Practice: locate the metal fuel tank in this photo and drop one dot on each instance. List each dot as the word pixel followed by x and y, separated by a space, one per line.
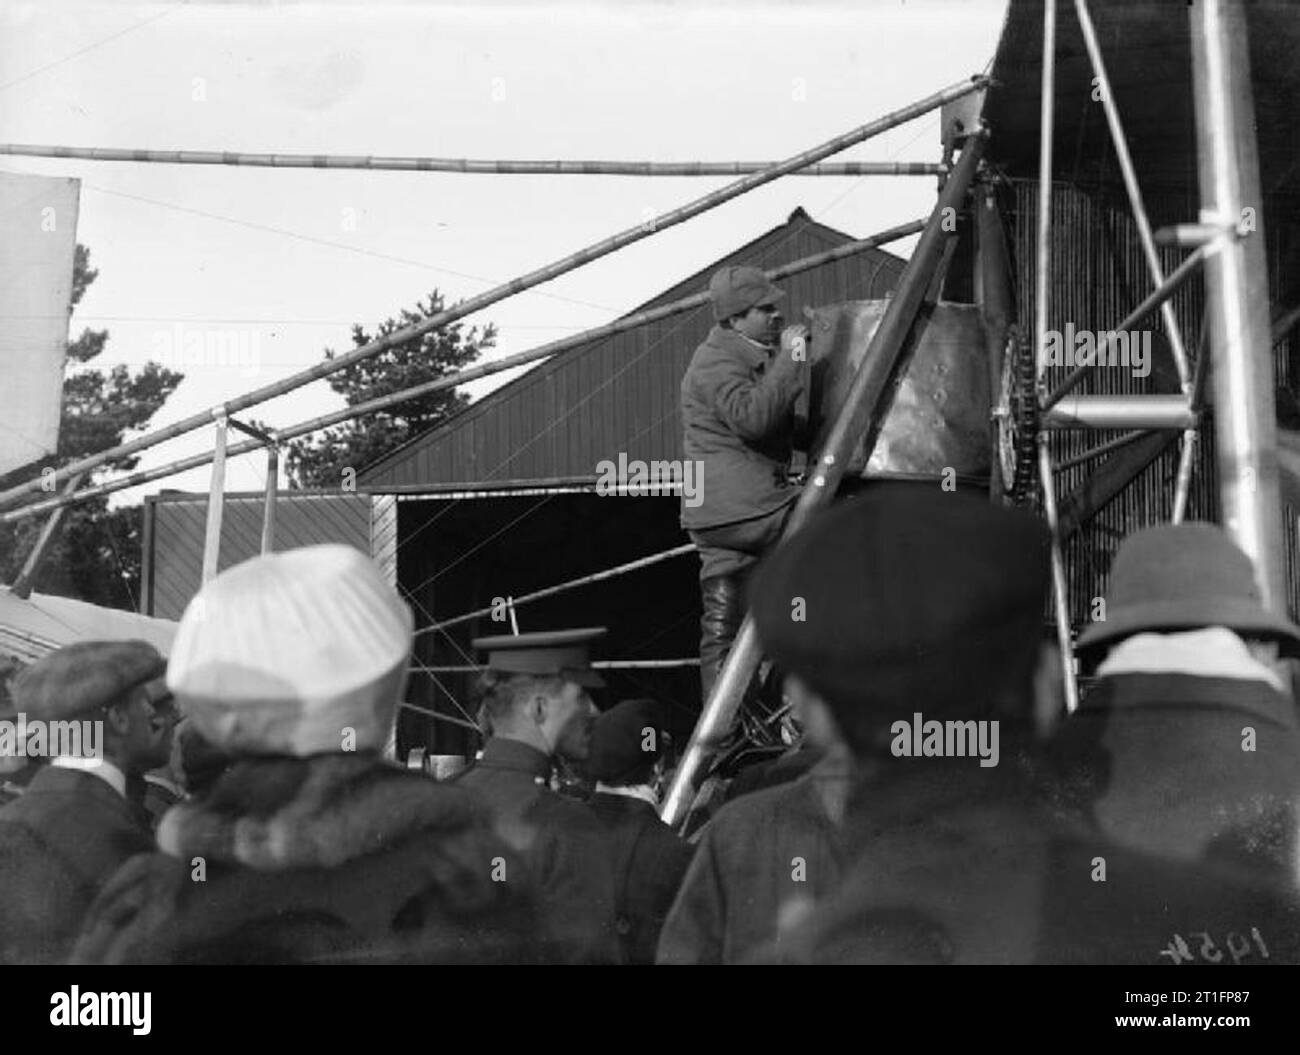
pixel 939 417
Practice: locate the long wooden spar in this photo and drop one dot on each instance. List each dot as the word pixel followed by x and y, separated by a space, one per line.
pixel 467 166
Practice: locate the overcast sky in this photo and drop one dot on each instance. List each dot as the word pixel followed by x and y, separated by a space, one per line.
pixel 287 260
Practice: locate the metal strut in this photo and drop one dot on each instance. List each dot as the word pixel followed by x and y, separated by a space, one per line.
pixel 1047 117
pixel 1236 288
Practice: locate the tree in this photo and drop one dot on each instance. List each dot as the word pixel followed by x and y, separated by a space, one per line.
pixel 319 460
pixel 97 555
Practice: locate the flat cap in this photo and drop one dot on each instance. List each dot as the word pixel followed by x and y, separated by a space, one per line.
pixel 733 290
pixel 626 738
pixel 81 677
pixel 297 653
pixel 564 653
pixel 906 598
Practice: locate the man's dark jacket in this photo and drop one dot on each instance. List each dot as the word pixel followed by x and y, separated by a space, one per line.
pixel 764 858
pixel 567 852
pixel 329 859
pixel 649 862
pixel 959 864
pixel 1188 768
pixel 737 413
pixel 60 842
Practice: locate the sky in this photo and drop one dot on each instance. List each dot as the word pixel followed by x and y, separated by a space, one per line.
pixel 282 263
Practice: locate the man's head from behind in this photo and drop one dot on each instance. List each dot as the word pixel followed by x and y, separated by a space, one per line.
pixel 298 653
pixel 627 744
pixel 908 599
pixel 546 711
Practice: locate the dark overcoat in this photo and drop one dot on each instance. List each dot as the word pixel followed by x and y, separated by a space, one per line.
pixel 764 860
pixel 738 420
pixel 1187 767
pixel 567 852
pixel 649 863
pixel 60 842
pixel 962 865
pixel 329 859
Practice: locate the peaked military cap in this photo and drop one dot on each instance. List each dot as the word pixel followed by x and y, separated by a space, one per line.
pixel 565 653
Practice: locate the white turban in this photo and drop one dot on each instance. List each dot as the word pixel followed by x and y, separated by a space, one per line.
pixel 303 652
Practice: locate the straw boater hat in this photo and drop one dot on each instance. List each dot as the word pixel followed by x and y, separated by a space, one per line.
pixel 296 653
pixel 1183 577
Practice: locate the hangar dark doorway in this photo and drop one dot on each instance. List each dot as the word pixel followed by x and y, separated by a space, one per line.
pixel 458 553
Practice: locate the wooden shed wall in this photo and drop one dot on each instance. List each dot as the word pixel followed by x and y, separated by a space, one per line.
pixel 175 526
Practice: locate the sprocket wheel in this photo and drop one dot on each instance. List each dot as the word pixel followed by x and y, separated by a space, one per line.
pixel 1015 419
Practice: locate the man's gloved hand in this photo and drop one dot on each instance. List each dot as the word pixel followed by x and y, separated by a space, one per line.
pixel 794 341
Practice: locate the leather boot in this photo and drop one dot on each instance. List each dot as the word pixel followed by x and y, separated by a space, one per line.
pixel 724 611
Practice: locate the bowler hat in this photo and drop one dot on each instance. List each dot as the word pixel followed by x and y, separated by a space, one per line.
pixel 1180 577
pixel 734 290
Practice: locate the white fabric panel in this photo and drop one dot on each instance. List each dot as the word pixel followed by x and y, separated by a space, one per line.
pixel 38 238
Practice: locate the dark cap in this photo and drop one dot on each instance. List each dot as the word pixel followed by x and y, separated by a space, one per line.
pixel 564 653
pixel 1183 577
pixel 906 598
pixel 734 290
pixel 625 739
pixel 84 676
